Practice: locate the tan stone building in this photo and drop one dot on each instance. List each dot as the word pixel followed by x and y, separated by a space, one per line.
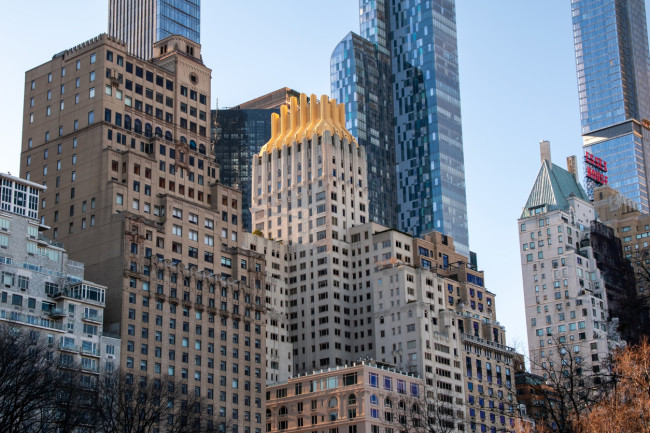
pixel 361 398
pixel 122 145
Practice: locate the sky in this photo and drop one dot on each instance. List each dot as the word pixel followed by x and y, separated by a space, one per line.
pixel 517 84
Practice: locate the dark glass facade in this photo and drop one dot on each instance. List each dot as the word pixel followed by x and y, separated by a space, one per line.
pixel 360 79
pixel 611 47
pixel 237 136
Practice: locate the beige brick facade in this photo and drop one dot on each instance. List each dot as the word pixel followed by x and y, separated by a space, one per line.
pixel 122 145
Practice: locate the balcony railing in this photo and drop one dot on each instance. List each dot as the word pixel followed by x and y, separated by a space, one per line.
pixel 90 351
pixel 92 317
pixel 485 342
pixel 14 316
pixel 56 313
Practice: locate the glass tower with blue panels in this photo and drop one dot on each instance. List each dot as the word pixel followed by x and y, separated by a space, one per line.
pixel 420 39
pixel 178 17
pixel 142 23
pixel 360 79
pixel 611 47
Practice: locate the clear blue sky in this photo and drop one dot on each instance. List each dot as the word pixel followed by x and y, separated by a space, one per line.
pixel 517 76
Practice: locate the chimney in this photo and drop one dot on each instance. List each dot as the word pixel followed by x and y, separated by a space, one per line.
pixel 545 150
pixel 572 165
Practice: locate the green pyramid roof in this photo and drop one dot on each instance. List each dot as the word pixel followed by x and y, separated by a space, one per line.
pixel 553 186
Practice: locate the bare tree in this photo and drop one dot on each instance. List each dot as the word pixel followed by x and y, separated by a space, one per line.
pixel 35 395
pixel 124 405
pixel 569 390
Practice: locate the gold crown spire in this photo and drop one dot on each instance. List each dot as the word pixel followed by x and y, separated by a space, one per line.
pixel 299 121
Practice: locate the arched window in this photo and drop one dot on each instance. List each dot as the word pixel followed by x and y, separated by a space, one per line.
pixel 268 413
pixel 127 122
pixel 192 144
pixel 159 131
pixel 168 135
pixel 183 139
pixel 202 149
pixel 381 319
pixel 148 130
pixel 333 402
pixel 283 410
pixel 387 402
pixel 352 399
pixel 137 126
pixel 373 399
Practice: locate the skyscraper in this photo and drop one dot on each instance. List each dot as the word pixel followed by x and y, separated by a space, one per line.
pixel 567 311
pixel 420 38
pixel 238 136
pixel 360 78
pixel 140 23
pixel 132 189
pixel 611 47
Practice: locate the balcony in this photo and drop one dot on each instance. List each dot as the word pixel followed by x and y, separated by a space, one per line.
pixel 93 318
pixel 67 365
pixel 90 351
pixel 72 348
pixel 90 368
pixel 56 313
pixel 14 316
pixel 491 344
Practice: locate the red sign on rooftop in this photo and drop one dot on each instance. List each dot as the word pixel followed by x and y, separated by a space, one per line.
pixel 596 162
pixel 596 169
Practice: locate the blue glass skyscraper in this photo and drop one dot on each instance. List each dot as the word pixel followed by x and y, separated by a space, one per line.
pixel 360 79
pixel 611 47
pixel 140 23
pixel 420 39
